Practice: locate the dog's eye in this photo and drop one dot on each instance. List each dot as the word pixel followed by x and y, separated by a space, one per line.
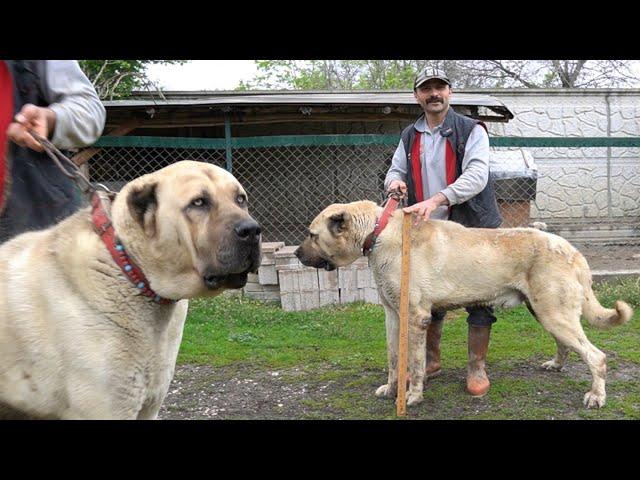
pixel 199 202
pixel 241 199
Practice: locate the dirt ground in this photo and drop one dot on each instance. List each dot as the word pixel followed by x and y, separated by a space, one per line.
pixel 245 392
pixel 242 393
pixel 613 257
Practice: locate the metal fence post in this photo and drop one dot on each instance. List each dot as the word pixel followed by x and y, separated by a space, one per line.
pixel 227 137
pixel 609 214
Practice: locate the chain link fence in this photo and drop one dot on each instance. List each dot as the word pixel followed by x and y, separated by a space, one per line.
pixel 290 182
pixel 287 186
pixel 115 166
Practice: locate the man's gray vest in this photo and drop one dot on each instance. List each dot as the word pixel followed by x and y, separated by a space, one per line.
pixel 480 211
pixel 39 195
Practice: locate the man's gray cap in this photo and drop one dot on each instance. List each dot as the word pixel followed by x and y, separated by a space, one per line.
pixel 429 74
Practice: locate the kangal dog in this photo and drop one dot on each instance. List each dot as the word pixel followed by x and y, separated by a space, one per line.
pixel 77 338
pixel 452 266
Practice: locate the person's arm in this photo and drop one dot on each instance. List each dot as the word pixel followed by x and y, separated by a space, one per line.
pixel 397 174
pixel 79 113
pixel 475 169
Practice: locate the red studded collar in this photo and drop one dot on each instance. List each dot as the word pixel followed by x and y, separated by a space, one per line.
pixel 392 203
pixel 104 228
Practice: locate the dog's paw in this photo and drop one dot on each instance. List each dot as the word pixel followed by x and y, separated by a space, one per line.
pixel 386 391
pixel 414 399
pixel 592 399
pixel 552 366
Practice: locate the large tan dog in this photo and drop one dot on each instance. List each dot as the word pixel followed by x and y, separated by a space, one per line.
pixel 452 266
pixel 77 339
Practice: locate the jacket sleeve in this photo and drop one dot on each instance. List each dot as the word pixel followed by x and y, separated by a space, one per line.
pixel 398 169
pixel 80 115
pixel 475 169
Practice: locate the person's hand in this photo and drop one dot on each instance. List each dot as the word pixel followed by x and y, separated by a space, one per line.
pixel 39 119
pixel 424 209
pixel 395 184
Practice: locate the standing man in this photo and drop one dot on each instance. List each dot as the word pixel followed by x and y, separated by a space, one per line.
pixel 56 100
pixel 442 162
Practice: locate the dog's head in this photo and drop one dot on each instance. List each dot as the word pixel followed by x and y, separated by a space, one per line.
pixel 189 228
pixel 336 235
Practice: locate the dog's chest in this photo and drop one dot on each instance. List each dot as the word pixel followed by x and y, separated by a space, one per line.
pixel 167 348
pixel 150 369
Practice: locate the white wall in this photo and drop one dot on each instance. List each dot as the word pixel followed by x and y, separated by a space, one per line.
pixel 579 184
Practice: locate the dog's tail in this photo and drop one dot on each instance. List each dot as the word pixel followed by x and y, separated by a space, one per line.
pixel 592 310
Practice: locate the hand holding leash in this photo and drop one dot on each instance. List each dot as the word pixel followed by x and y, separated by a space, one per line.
pixel 31 118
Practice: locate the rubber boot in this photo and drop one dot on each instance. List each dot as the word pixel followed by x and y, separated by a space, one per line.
pixel 434 333
pixel 477 380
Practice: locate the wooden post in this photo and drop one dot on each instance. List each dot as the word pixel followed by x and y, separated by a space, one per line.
pixel 403 337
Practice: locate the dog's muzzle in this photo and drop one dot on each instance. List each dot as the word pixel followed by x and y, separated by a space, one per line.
pixel 316 262
pixel 232 280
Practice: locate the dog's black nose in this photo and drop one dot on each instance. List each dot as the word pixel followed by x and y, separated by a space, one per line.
pixel 297 253
pixel 211 281
pixel 247 230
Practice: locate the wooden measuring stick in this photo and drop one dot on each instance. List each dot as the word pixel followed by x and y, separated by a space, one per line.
pixel 403 337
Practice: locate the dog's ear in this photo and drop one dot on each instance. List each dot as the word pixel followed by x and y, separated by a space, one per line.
pixel 338 222
pixel 142 202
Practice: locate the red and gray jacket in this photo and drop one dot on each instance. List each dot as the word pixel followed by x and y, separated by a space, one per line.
pixel 480 211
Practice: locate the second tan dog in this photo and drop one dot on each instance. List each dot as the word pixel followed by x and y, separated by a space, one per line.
pixel 453 266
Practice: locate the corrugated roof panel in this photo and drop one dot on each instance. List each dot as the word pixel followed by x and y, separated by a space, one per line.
pixel 301 98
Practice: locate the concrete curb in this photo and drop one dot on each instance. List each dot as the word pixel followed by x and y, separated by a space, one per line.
pixel 608 275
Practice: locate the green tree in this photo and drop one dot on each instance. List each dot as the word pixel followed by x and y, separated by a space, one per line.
pixel 118 78
pixel 399 74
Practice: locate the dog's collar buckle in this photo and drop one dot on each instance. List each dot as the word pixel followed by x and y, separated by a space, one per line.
pixel 103 228
pixel 367 247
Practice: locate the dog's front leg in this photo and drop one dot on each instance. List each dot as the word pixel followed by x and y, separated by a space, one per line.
pixel 390 389
pixel 418 323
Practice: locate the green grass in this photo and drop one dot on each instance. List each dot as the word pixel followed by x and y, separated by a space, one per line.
pixel 226 330
pixel 346 345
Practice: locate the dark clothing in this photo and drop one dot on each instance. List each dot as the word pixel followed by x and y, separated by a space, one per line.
pixel 37 193
pixel 478 316
pixel 480 211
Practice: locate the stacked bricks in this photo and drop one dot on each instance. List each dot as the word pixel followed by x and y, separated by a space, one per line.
pixel 305 288
pixel 356 283
pixel 299 288
pixel 264 285
pixel 281 277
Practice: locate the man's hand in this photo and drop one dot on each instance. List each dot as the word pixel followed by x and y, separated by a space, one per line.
pixel 39 119
pixel 394 185
pixel 423 209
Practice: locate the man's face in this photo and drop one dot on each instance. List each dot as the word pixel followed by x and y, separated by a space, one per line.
pixel 433 96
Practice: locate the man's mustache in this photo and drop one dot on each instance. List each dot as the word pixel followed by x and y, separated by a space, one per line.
pixel 434 100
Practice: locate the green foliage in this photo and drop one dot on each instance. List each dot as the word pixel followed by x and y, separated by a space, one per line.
pixel 118 78
pixel 399 74
pixel 334 74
